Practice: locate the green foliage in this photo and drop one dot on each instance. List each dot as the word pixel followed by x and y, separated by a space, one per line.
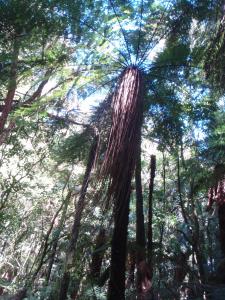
pixel 80 46
pixel 72 149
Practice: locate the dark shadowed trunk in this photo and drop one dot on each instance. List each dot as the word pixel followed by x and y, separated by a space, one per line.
pixel 77 220
pixel 131 262
pixel 162 225
pixel 22 294
pixel 150 212
pixel 140 226
pixel 179 189
pixel 181 266
pixel 196 241
pixel 104 277
pixel 119 246
pixel 221 216
pixel 97 256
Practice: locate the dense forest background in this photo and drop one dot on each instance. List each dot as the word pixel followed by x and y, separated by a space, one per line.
pixel 112 143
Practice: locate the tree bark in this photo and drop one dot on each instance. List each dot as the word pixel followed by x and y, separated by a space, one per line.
pixel 221 216
pixel 97 256
pixel 179 189
pixel 11 87
pixel 45 245
pixel 140 227
pixel 56 238
pixel 150 212
pixel 119 166
pixel 77 220
pixel 131 261
pixel 119 245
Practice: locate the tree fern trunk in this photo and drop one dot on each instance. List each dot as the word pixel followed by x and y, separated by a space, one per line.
pixel 119 247
pixel 119 164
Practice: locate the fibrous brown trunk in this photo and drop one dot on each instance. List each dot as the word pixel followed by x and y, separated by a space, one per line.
pixel 119 164
pixel 119 246
pixel 77 220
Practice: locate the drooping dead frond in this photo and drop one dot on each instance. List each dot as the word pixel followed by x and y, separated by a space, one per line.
pixel 125 129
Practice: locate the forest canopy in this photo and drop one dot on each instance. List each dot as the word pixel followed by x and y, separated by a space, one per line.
pixel 112 149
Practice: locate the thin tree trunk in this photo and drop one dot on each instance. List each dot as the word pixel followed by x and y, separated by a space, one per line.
pixel 104 277
pixel 77 220
pixel 150 212
pixel 221 216
pixel 45 245
pixel 56 238
pixel 140 226
pixel 162 226
pixel 196 241
pixel 131 261
pixel 11 87
pixel 180 192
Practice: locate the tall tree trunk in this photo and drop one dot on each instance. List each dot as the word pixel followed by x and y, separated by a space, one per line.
pixel 119 245
pixel 162 225
pixel 11 86
pixel 179 189
pixel 221 216
pixel 97 256
pixel 119 165
pixel 150 212
pixel 131 262
pixel 77 220
pixel 140 226
pixel 196 240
